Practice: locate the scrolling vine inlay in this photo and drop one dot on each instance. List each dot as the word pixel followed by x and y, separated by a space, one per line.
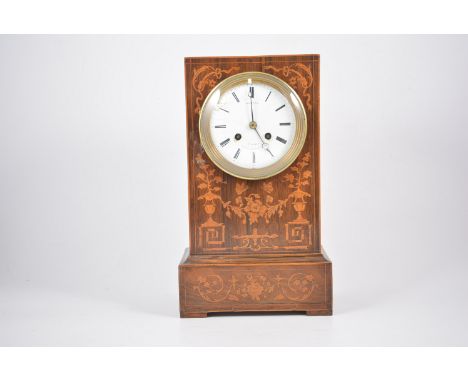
pixel 255 286
pixel 299 76
pixel 205 78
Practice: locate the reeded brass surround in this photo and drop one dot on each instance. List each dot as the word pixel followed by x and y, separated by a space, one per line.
pixel 256 173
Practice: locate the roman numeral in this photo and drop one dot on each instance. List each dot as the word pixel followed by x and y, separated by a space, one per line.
pixel 253 157
pixel 285 123
pixel 235 96
pixel 282 140
pixel 220 126
pixel 223 110
pixel 225 142
pixel 236 155
pixel 268 96
pixel 280 107
pixel 251 92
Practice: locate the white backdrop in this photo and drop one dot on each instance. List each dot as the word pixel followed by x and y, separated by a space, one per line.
pixel 93 195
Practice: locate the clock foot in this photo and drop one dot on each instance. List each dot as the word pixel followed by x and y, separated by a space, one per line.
pixel 319 312
pixel 193 315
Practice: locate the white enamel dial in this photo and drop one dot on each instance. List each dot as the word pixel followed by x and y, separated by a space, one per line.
pixel 253 125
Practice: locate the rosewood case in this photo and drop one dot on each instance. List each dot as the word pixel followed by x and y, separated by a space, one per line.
pixel 254 245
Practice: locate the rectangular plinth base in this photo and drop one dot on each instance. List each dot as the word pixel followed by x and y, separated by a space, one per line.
pixel 209 284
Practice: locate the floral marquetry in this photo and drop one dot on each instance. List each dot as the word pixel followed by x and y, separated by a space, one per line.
pixel 289 285
pixel 253 187
pixel 255 286
pixel 250 208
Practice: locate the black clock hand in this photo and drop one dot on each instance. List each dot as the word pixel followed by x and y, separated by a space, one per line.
pixel 259 135
pixel 253 124
pixel 264 145
pixel 251 107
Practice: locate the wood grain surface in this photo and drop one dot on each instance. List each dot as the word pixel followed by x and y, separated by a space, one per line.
pixel 277 215
pixel 254 245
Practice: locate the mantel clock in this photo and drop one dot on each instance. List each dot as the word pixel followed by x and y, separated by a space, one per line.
pixel 254 195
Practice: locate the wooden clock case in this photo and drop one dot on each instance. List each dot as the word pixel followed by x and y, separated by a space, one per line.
pixel 254 245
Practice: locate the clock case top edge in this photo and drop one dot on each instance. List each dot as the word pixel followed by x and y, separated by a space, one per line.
pixel 252 59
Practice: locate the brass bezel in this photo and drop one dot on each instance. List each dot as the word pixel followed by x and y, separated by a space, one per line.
pixel 249 173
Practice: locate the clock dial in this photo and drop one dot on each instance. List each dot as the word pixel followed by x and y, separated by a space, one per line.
pixel 259 128
pixel 252 125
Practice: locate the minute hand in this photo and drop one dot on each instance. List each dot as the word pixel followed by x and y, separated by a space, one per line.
pixel 264 144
